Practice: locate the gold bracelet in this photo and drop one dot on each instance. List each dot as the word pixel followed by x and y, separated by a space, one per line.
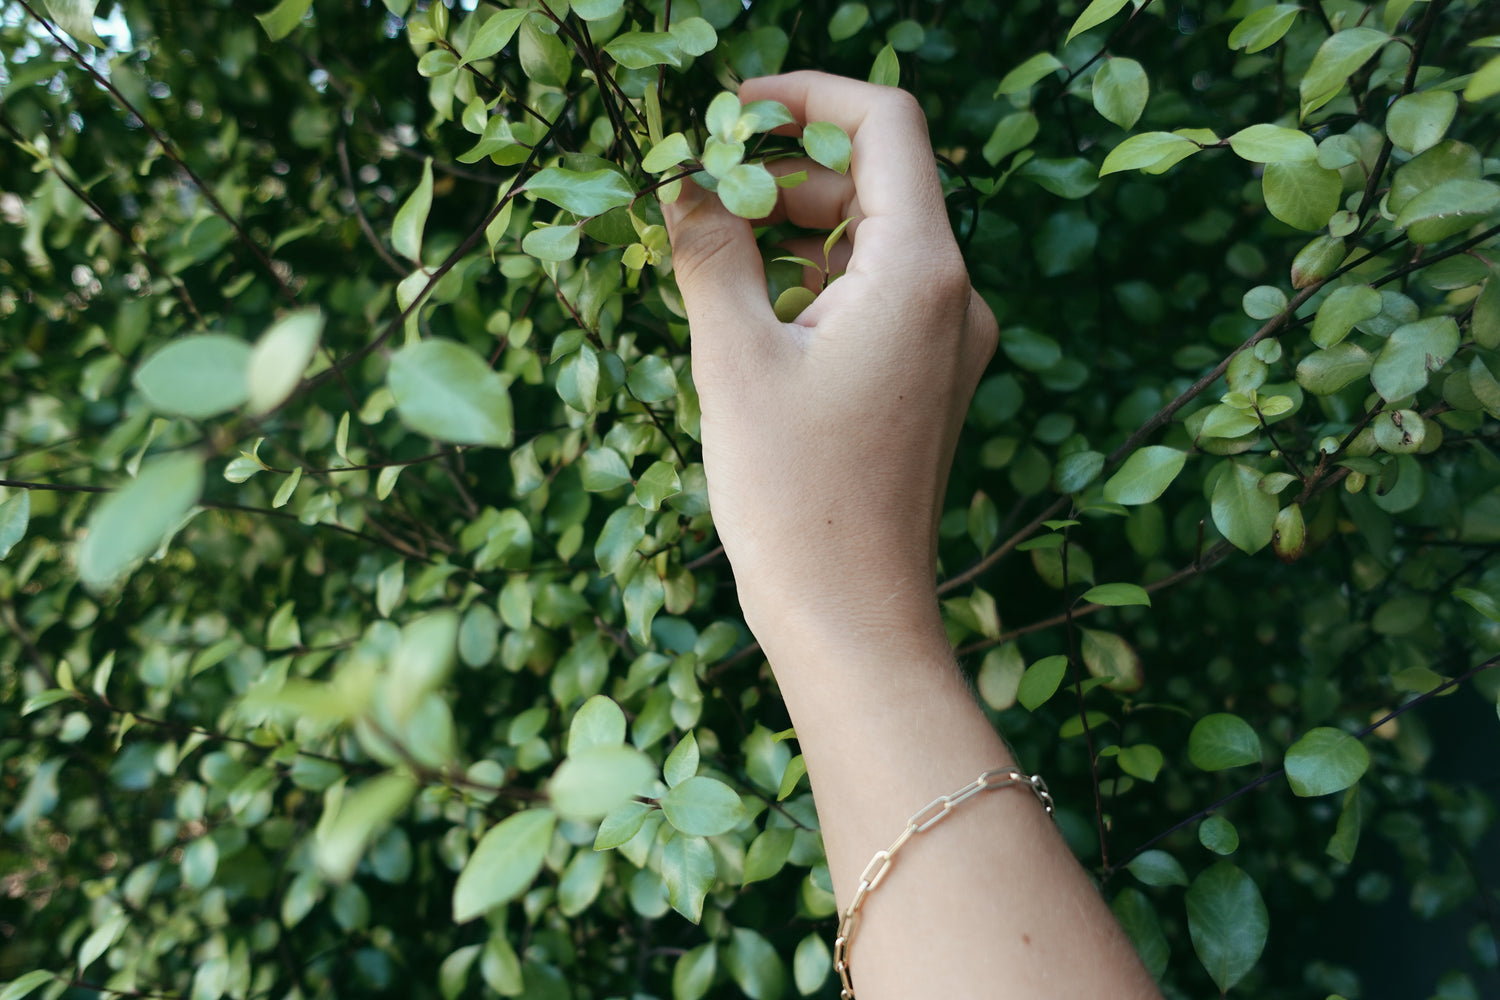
pixel 923 820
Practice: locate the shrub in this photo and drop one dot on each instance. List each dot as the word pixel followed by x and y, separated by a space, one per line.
pixel 364 628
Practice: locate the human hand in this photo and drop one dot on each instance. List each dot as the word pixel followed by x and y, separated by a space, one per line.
pixel 827 441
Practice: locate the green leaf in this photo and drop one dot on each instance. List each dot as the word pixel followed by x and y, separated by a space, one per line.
pixel 596 10
pixel 1029 73
pixel 1012 133
pixel 1029 349
pixel 1120 91
pixel 504 864
pixel 886 70
pixel 132 522
pixel 811 963
pixel 501 967
pixel 411 217
pixel 599 722
pixel 340 843
pixel 1141 761
pixel 1345 839
pixel 15 515
pixel 1136 915
pixel 723 117
pixel 621 824
pixel 279 358
pixel 694 36
pixel 1096 13
pixel 23 985
pixel 767 854
pixel 1419 121
pixel 1324 373
pixel 621 535
pixel 687 866
pixel 1074 177
pixel 493 35
pixel 76 17
pixel 640 49
pixel 652 380
pixel 1157 868
pixel 196 376
pixel 748 191
pixel 643 598
pixel 1447 208
pixel 1343 310
pixel 1228 923
pixel 1338 59
pixel 755 966
pixel 1266 143
pixel 1116 595
pixel 827 144
pixel 693 973
pixel 1301 193
pixel 544 57
pixel 581 882
pixel 1040 681
pixel 672 150
pixel 1479 601
pixel 592 192
pixel 682 763
pixel 703 807
pixel 1263 28
pixel 603 470
pixel 1145 475
pixel 1077 470
pixel 1242 513
pixel 1222 740
pixel 281 19
pixel 1219 835
pixel 1146 151
pixel 1324 761
pixel 453 974
pixel 447 391
pixel 597 780
pixel 1485 83
pixel 1411 354
pixel 847 21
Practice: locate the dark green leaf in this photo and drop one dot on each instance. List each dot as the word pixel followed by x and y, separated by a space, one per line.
pixel 1324 761
pixel 1228 923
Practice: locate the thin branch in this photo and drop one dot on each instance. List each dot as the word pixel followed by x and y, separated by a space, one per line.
pixel 1075 667
pixel 359 212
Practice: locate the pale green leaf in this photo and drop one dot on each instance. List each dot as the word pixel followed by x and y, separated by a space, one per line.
pixel 339 843
pixel 672 150
pixel 592 192
pixel 1419 121
pixel 1145 475
pixel 555 243
pixel 827 144
pixel 599 779
pixel 1339 57
pixel 748 191
pixel 196 376
pixel 447 391
pixel 1301 193
pixel 279 358
pixel 15 515
pixel 76 17
pixel 599 722
pixel 1263 28
pixel 1116 595
pixel 1267 143
pixel 283 18
pixel 1096 13
pixel 493 35
pixel 132 522
pixel 1120 91
pixel 1029 73
pixel 1344 309
pixel 411 217
pixel 703 806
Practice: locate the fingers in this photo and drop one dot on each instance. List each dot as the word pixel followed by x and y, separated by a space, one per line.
pixel 822 201
pixel 892 164
pixel 718 269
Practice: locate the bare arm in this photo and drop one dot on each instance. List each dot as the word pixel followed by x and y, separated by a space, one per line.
pixel 827 444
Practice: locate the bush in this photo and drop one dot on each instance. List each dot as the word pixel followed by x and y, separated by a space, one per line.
pixel 397 656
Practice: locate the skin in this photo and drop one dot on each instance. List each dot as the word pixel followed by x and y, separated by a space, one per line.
pixel 827 443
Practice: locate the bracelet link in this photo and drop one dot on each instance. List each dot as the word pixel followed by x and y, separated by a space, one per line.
pixel 923 820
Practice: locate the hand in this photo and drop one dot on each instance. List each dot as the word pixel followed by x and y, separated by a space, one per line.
pixel 827 441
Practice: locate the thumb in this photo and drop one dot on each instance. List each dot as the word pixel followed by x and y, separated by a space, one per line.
pixel 718 267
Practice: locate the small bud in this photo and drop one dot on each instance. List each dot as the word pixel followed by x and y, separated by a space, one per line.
pixel 1354 482
pixel 1289 536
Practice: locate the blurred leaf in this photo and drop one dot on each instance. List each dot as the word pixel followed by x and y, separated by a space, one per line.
pixel 282 19
pixel 445 390
pixel 15 515
pixel 132 522
pixel 196 376
pixel 598 779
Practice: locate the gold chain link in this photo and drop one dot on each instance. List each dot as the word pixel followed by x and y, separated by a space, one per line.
pixel 922 820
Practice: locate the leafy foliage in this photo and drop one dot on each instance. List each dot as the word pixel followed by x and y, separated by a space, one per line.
pixel 398 657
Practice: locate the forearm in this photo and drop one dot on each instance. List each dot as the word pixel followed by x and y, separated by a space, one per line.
pixel 990 901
